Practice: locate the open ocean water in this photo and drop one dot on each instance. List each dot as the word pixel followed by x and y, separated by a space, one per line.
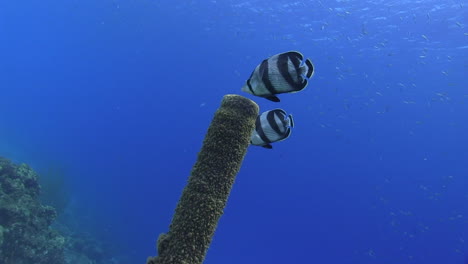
pixel 118 95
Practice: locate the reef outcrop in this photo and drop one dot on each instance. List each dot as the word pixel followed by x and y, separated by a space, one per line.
pixel 25 233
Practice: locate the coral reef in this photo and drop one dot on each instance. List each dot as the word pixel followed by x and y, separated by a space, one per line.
pixel 29 231
pixel 83 247
pixel 25 236
pixel 205 196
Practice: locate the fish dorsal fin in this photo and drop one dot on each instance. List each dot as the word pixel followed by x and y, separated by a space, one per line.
pixel 279 110
pixel 295 54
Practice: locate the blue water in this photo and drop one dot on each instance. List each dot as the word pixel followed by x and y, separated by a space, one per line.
pixel 121 94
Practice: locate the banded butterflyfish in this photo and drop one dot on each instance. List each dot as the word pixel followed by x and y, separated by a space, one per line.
pixel 281 73
pixel 271 126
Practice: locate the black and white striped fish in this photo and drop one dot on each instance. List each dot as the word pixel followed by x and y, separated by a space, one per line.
pixel 271 126
pixel 282 73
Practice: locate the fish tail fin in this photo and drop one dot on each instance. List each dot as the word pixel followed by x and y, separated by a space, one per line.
pixel 308 69
pixel 290 121
pixel 245 89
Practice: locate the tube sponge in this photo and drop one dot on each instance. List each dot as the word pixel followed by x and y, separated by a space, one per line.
pixel 206 193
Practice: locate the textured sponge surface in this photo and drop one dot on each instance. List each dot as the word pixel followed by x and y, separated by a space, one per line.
pixel 205 196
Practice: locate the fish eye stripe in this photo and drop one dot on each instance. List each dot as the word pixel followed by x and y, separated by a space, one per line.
pixel 272 122
pixel 296 60
pixel 260 132
pixel 302 85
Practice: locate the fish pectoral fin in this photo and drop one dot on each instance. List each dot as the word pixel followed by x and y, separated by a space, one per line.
pixel 272 98
pixel 267 146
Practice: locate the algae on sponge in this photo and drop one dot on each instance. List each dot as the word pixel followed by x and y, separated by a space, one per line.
pixel 206 193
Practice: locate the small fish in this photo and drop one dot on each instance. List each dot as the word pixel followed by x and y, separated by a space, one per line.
pixel 282 73
pixel 271 126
